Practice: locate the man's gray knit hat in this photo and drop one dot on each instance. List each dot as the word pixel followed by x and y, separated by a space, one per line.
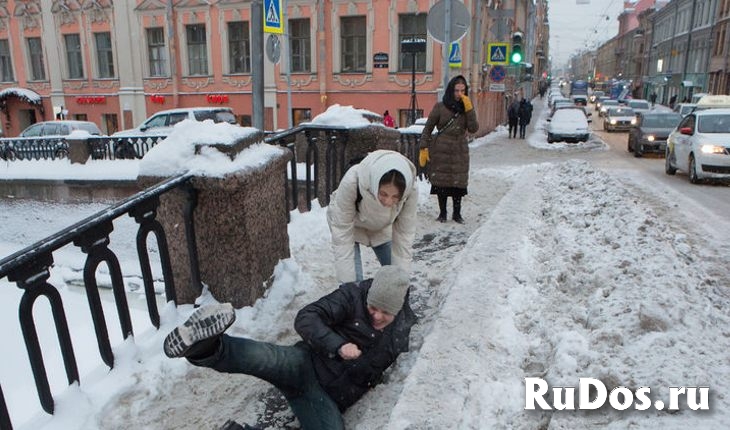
pixel 388 290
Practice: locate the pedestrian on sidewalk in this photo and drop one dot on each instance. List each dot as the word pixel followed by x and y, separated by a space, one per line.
pixel 349 338
pixel 447 152
pixel 388 120
pixel 513 118
pixel 524 116
pixel 374 205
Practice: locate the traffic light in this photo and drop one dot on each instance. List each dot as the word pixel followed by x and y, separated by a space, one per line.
pixel 516 55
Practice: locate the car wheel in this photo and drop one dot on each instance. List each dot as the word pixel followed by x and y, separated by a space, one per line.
pixel 61 153
pixel 637 151
pixel 693 178
pixel 124 151
pixel 669 169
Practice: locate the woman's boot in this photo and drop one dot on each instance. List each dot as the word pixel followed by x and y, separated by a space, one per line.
pixel 442 208
pixel 457 210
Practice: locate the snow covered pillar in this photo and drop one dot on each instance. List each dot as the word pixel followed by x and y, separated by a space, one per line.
pixel 240 214
pixel 78 150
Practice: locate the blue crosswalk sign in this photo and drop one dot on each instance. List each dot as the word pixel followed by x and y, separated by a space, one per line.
pixel 273 17
pixel 497 54
pixel 455 55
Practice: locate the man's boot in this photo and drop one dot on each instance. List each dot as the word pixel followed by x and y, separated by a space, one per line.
pixel 442 208
pixel 457 210
pixel 199 335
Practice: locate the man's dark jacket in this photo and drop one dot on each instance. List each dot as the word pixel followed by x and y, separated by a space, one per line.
pixel 342 317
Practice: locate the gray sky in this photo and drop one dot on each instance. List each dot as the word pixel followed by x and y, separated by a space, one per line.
pixel 573 26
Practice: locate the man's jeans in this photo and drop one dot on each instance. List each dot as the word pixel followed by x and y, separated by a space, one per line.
pixel 288 368
pixel 383 252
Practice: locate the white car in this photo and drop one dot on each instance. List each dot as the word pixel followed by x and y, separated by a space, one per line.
pixel 639 105
pixel 569 125
pixel 619 118
pixel 700 146
pixel 161 123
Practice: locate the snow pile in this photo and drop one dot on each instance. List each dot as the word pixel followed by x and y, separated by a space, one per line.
pixel 177 154
pixel 29 96
pixel 344 116
pixel 122 170
pixel 570 278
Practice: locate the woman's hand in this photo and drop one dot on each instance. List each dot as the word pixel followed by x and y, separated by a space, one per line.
pixel 467 103
pixel 423 157
pixel 349 351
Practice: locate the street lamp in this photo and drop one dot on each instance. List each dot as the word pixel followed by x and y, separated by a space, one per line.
pixel 413 46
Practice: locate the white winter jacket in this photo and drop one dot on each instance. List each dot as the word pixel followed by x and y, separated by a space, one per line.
pixel 369 222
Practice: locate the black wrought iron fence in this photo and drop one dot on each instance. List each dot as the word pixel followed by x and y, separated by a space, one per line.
pixel 30 270
pixel 100 147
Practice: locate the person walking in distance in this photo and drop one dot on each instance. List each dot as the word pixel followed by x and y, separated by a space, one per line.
pixel 525 115
pixel 513 117
pixel 447 151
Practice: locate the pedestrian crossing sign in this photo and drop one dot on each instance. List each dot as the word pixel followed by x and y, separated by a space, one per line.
pixel 455 55
pixel 273 17
pixel 497 54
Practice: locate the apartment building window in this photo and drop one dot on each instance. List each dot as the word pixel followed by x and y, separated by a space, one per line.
pixel 353 44
pixel 239 47
pixel 197 49
pixel 35 58
pixel 301 47
pixel 156 51
pixel 104 54
pixel 73 56
pixel 300 115
pixel 6 62
pixel 109 123
pixel 412 26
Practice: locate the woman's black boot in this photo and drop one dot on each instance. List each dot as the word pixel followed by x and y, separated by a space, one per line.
pixel 457 210
pixel 442 208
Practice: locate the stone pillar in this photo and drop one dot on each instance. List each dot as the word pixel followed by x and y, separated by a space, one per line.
pixel 240 227
pixel 78 150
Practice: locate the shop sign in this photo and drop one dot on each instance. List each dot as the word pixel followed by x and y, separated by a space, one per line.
pixel 157 98
pixel 90 100
pixel 217 98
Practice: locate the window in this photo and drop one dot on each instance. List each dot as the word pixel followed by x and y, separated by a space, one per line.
pixel 197 50
pixel 110 123
pixel 6 62
pixel 409 27
pixel 299 31
pixel 239 47
pixel 404 116
pixel 35 57
pixel 104 56
pixel 301 115
pixel 73 56
pixel 352 41
pixel 81 117
pixel 156 52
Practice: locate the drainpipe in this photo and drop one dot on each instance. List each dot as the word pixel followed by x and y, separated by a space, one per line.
pixel 689 47
pixel 172 38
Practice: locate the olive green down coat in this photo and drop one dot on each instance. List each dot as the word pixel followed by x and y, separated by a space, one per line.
pixel 449 151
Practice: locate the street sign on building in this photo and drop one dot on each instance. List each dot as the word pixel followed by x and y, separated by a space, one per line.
pixel 497 88
pixel 273 17
pixel 497 54
pixel 497 74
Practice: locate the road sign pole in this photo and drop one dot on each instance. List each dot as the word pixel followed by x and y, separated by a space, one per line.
pixel 257 63
pixel 447 43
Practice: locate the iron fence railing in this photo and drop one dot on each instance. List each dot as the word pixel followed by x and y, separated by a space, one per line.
pixel 30 270
pixel 100 147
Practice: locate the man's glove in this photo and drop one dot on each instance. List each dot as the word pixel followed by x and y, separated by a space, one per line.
pixel 423 157
pixel 467 103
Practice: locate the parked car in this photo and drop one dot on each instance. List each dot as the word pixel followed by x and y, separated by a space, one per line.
pixel 569 125
pixel 161 123
pixel 619 118
pixel 579 99
pixel 561 105
pixel 651 132
pixel 684 108
pixel 639 105
pixel 59 128
pixel 605 105
pixel 700 146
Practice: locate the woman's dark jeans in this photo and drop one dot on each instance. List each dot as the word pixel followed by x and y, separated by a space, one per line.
pixel 288 368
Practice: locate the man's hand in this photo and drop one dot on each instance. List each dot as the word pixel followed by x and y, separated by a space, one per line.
pixel 349 351
pixel 423 157
pixel 467 103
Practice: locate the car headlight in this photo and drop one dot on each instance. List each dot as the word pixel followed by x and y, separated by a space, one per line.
pixel 712 149
pixel 633 121
pixel 650 138
pixel 613 122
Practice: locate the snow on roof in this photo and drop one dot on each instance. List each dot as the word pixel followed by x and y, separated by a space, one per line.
pixel 176 154
pixel 345 116
pixel 23 93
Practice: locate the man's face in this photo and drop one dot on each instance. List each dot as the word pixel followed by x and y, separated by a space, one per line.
pixel 379 318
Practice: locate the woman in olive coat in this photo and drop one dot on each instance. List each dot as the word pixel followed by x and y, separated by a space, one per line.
pixel 447 151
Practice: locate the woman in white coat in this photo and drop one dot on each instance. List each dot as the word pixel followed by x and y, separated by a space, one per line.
pixel 374 205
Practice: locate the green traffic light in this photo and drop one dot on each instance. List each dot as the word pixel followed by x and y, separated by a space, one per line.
pixel 516 57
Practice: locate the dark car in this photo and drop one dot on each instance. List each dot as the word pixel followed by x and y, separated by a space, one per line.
pixel 651 132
